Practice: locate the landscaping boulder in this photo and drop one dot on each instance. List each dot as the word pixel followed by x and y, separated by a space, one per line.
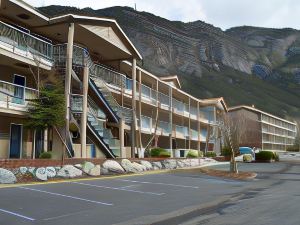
pixel 31 170
pixel 169 164
pixel 147 164
pixel 23 170
pixel 138 167
pixel 95 171
pixel 128 166
pixel 113 166
pixel 40 174
pixel 157 165
pixel 78 166
pixel 195 162
pixel 50 171
pixel 87 166
pixel 69 171
pixel 7 177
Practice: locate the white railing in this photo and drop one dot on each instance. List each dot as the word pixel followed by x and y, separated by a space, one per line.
pixel 26 42
pixel 16 96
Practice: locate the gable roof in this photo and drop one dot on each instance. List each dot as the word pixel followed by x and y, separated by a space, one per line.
pixel 171 78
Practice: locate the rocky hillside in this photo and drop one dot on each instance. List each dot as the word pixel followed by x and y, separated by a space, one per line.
pixel 246 65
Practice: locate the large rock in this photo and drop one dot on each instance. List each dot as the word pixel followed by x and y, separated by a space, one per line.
pixel 170 164
pixel 128 166
pixel 7 177
pixel 157 165
pixel 138 167
pixel 69 171
pixel 195 162
pixel 40 174
pixel 113 166
pixel 96 171
pixel 23 170
pixel 87 166
pixel 50 171
pixel 147 164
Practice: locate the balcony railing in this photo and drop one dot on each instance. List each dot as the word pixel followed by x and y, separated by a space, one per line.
pixel 164 100
pixel 24 43
pixel 207 113
pixel 15 96
pixel 181 130
pixel 164 127
pixel 178 106
pixel 194 134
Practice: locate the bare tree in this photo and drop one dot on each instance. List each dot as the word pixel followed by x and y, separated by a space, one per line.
pixel 233 132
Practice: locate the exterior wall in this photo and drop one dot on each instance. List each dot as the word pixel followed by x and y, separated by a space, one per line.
pixel 26 151
pixel 277 134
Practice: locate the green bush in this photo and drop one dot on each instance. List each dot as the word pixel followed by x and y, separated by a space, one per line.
pixel 226 151
pixel 264 156
pixel 165 154
pixel 160 152
pixel 45 155
pixel 194 154
pixel 210 154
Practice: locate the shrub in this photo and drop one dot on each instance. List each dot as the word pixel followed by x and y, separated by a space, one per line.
pixel 264 156
pixel 194 154
pixel 210 154
pixel 165 154
pixel 226 151
pixel 45 155
pixel 247 158
pixel 160 152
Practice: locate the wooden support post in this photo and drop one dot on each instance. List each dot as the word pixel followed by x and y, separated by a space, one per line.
pixel 83 122
pixel 133 124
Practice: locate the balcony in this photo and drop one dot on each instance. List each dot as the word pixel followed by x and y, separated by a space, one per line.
pixel 194 135
pixel 16 97
pixel 25 44
pixel 164 101
pixel 146 124
pixel 164 128
pixel 193 113
pixel 178 106
pixel 181 132
pixel 207 115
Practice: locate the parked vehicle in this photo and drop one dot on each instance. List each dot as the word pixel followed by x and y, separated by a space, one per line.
pixel 248 151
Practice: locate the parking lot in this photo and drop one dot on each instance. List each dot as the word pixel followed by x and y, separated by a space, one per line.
pixel 160 198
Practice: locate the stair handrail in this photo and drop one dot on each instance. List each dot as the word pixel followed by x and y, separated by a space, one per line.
pixel 86 60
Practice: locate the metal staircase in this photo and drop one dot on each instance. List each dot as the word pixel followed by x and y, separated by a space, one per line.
pixel 97 72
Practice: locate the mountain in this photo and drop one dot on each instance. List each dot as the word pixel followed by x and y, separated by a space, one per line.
pixel 245 65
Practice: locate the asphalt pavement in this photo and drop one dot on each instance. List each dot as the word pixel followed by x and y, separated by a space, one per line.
pixel 179 197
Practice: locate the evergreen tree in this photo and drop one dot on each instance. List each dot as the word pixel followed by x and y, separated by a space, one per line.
pixel 48 110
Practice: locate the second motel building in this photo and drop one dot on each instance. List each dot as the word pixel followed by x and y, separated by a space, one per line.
pixel 107 94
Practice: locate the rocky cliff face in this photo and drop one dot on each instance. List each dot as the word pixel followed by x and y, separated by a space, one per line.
pixel 246 65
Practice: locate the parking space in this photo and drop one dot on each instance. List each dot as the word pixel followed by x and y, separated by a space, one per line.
pixel 77 202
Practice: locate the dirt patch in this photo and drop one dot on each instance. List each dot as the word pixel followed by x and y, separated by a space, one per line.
pixel 227 174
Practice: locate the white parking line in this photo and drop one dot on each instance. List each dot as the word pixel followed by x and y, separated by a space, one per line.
pixel 120 189
pixel 17 215
pixel 66 196
pixel 147 182
pixel 129 186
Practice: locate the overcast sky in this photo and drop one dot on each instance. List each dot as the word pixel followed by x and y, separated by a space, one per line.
pixel 220 13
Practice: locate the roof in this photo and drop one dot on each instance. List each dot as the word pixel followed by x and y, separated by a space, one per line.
pixel 239 107
pixel 37 19
pixel 173 78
